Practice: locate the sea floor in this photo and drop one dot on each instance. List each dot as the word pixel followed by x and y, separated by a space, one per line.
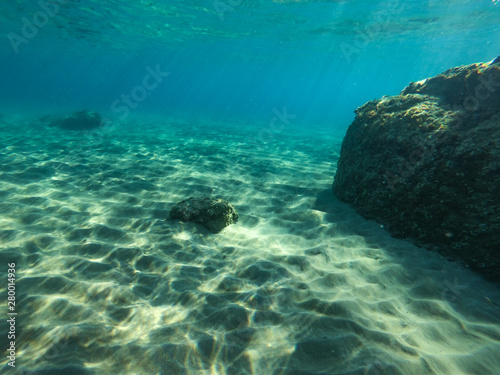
pixel 108 284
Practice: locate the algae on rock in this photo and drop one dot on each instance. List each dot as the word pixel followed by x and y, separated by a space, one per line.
pixel 213 214
pixel 426 164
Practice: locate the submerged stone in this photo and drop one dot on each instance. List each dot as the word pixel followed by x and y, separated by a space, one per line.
pixel 426 164
pixel 81 120
pixel 213 214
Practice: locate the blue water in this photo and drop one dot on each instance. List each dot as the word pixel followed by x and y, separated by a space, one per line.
pixel 246 100
pixel 320 59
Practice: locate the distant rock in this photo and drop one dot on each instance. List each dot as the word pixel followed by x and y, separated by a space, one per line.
pixel 81 120
pixel 426 164
pixel 213 214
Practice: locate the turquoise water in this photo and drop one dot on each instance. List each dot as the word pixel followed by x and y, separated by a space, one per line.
pixel 321 59
pixel 247 101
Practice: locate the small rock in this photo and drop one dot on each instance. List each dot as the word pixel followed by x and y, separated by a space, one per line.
pixel 213 214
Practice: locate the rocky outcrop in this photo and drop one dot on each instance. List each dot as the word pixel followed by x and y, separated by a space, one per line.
pixel 81 120
pixel 213 214
pixel 426 164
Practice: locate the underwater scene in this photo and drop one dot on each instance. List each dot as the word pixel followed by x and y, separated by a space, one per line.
pixel 250 187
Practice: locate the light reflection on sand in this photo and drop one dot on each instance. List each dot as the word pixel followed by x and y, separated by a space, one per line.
pixel 300 285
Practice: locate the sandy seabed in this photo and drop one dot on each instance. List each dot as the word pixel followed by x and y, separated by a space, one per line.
pixel 108 284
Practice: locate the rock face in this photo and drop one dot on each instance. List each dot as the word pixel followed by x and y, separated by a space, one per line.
pixel 81 120
pixel 426 164
pixel 213 214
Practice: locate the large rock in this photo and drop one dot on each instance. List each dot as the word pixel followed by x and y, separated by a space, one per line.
pixel 426 164
pixel 213 214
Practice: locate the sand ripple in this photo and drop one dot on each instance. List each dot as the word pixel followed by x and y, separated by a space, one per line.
pixel 301 285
